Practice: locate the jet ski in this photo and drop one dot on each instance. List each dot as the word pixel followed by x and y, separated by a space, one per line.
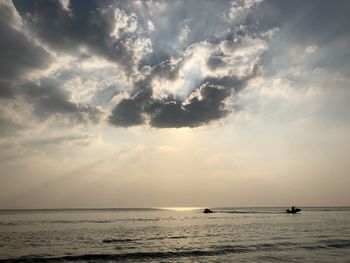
pixel 294 210
pixel 207 211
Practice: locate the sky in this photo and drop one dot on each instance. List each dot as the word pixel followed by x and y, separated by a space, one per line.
pixel 174 103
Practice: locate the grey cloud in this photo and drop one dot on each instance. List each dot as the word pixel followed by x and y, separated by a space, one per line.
pixel 303 23
pixel 48 98
pixel 130 112
pixel 311 21
pixel 68 31
pixel 234 82
pixel 202 108
pixel 105 96
pixel 6 88
pixel 205 104
pixel 167 69
pixel 215 62
pixel 18 54
pixel 127 113
pixel 8 127
pixel 83 139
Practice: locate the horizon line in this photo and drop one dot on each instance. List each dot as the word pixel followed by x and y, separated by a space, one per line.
pixel 170 207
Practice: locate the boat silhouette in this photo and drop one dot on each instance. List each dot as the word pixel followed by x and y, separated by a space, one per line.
pixel 294 210
pixel 207 211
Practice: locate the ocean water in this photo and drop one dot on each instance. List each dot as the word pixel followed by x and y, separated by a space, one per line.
pixel 163 235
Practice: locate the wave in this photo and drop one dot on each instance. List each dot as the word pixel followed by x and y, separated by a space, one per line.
pixel 15 223
pixel 129 256
pixel 115 240
pixel 337 243
pixel 214 251
pixel 133 240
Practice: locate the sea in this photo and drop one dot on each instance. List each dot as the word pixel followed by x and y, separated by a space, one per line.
pixel 317 234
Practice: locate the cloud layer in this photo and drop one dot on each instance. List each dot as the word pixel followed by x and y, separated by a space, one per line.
pixel 138 63
pixel 156 63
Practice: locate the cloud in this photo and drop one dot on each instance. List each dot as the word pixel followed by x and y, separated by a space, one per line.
pixel 210 90
pixel 307 32
pixel 210 101
pixel 201 107
pixel 18 54
pixel 82 139
pixel 8 127
pixel 127 113
pixel 239 9
pixel 48 98
pixel 105 31
pixel 6 88
pixel 176 69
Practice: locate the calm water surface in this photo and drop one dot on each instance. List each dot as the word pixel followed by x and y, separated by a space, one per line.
pixel 160 235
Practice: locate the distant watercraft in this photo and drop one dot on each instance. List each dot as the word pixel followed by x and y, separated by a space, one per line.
pixel 294 210
pixel 207 211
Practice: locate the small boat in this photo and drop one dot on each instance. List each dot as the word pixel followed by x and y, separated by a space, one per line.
pixel 294 210
pixel 207 211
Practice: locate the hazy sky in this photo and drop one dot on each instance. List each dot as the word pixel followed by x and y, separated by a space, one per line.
pixel 174 103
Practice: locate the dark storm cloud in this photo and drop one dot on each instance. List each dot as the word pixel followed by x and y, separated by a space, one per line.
pixel 200 109
pixel 206 102
pixel 202 106
pixel 18 55
pixel 127 113
pixel 48 98
pixel 130 112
